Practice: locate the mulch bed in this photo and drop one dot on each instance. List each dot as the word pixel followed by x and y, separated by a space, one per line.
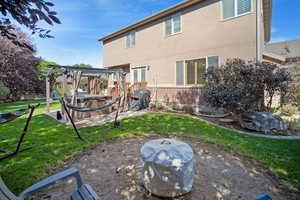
pixel 113 167
pixel 232 123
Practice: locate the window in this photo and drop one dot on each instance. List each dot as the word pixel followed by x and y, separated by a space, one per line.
pixel 234 8
pixel 130 39
pixel 191 72
pixel 114 77
pixel 195 70
pixel 139 75
pixel 143 75
pixel 135 75
pixel 212 61
pixel 173 25
pixel 180 73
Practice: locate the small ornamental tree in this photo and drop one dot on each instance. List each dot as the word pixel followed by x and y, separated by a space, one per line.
pixel 240 86
pixel 18 67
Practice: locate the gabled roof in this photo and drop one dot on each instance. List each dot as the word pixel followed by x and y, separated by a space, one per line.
pixel 288 49
pixel 267 6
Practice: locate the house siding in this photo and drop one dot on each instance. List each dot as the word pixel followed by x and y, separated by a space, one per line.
pixel 203 34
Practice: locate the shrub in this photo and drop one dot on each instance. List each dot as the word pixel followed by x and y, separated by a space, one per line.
pixel 239 86
pixel 175 106
pixel 188 109
pixel 4 92
pixel 294 126
pixel 289 110
pixel 157 106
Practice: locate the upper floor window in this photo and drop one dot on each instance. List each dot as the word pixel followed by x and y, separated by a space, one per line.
pixel 173 25
pixel 130 39
pixel 234 8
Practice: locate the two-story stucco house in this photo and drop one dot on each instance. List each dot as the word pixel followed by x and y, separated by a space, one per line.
pixel 172 49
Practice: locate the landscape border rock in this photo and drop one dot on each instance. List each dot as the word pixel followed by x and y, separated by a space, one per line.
pixel 243 132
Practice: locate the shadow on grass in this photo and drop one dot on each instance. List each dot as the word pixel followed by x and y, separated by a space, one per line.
pixel 25 169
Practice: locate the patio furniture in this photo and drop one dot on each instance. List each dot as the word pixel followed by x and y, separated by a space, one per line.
pixel 12 116
pixel 9 116
pixel 168 167
pixel 84 191
pixel 109 104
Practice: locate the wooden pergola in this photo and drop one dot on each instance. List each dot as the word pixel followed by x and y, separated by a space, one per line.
pixel 75 74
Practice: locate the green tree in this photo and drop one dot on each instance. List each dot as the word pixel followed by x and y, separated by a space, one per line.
pixel 83 65
pixel 27 13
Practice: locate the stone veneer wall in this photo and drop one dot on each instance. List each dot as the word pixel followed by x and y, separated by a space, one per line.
pixel 179 95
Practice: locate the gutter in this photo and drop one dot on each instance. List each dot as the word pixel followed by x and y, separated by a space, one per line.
pixel 152 18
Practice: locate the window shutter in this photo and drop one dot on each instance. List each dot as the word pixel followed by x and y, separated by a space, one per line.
pixel 177 23
pixel 168 27
pixel 243 6
pixel 228 8
pixel 179 73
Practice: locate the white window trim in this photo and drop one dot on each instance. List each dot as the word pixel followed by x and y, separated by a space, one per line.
pixel 139 73
pixel 164 25
pixel 184 71
pixel 129 35
pixel 236 15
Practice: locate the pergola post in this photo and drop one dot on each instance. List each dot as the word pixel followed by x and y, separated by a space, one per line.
pixel 48 95
pixel 65 90
pixel 76 82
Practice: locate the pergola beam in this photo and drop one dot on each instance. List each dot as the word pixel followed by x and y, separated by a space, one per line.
pixel 89 71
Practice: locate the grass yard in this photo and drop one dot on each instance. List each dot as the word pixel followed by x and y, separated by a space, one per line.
pixel 21 171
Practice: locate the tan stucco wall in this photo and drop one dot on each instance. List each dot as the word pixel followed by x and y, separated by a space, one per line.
pixel 203 34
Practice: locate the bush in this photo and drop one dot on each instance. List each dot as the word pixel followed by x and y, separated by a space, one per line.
pixel 294 125
pixel 175 106
pixel 188 109
pixel 4 92
pixel 157 106
pixel 239 87
pixel 289 110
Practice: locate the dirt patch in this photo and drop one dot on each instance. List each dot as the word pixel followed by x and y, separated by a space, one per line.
pixel 113 167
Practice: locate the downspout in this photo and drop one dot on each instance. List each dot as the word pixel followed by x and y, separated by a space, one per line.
pixel 258 30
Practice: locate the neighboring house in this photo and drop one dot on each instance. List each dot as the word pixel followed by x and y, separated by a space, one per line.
pixel 172 49
pixel 288 50
pixel 287 54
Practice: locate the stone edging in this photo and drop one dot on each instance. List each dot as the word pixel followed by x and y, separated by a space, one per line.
pixel 244 132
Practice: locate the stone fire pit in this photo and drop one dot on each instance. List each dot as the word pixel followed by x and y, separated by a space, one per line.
pixel 168 167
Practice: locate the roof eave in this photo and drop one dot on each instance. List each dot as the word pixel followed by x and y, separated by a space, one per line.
pixel 152 18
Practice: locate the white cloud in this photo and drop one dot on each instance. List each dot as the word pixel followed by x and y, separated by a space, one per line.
pixel 278 39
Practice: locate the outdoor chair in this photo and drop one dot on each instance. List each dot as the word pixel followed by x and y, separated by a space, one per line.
pixel 84 191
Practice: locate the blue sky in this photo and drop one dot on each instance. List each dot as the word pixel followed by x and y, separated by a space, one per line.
pixel 85 21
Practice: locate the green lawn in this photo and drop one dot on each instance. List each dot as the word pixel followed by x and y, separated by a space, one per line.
pixel 19 172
